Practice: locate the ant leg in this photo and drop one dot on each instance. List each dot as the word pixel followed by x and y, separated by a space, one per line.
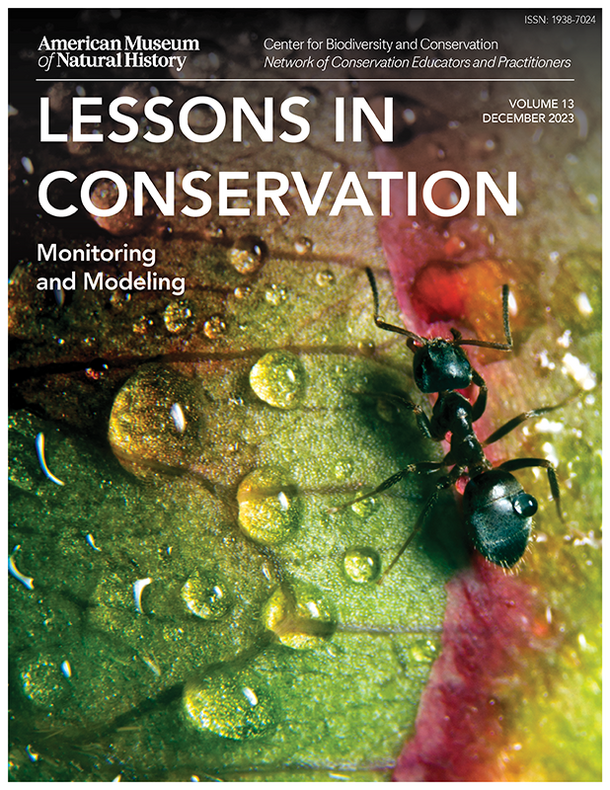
pixel 382 324
pixel 488 343
pixel 442 484
pixel 516 421
pixel 425 467
pixel 522 463
pixel 423 421
pixel 478 407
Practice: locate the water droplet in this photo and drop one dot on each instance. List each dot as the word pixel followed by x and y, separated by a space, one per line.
pixel 43 682
pixel 299 615
pixel 156 422
pixel 248 254
pixel 361 564
pixel 27 165
pixel 423 651
pixel 142 324
pixel 215 232
pixel 454 246
pixel 242 291
pixel 279 379
pixel 206 596
pixel 343 468
pixel 365 507
pixel 276 294
pixel 269 506
pixel 325 278
pixel 303 245
pixel 119 299
pixel 177 317
pixel 214 327
pixel 229 705
pixel 409 116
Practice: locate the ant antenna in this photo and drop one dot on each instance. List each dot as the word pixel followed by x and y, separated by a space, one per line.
pixel 399 330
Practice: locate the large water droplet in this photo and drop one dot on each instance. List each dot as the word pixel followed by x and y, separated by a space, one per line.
pixel 155 424
pixel 279 379
pixel 248 254
pixel 206 596
pixel 299 615
pixel 269 507
pixel 361 564
pixel 229 705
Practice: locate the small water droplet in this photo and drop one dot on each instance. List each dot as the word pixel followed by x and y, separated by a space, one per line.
pixel 119 299
pixel 142 324
pixel 423 651
pixel 276 294
pixel 279 379
pixel 231 705
pixel 177 317
pixel 43 682
pixel 27 165
pixel 343 468
pixel 362 564
pixel 242 291
pixel 299 615
pixel 303 245
pixel 325 278
pixel 214 327
pixel 365 507
pixel 206 596
pixel 269 506
pixel 454 246
pixel 248 254
pixel 215 232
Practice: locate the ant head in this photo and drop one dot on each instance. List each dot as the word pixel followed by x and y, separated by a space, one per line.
pixel 440 365
pixel 498 513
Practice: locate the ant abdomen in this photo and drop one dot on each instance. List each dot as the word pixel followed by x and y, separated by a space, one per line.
pixel 498 514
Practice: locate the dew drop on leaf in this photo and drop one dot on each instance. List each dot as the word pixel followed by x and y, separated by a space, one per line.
pixel 299 615
pixel 156 422
pixel 361 564
pixel 278 378
pixel 325 278
pixel 206 596
pixel 269 507
pixel 214 327
pixel 177 317
pixel 231 706
pixel 248 254
pixel 365 507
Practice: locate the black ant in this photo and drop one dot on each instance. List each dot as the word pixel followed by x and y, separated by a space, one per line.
pixel 497 511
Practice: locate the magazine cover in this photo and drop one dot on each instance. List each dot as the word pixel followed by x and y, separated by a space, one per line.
pixel 304 395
